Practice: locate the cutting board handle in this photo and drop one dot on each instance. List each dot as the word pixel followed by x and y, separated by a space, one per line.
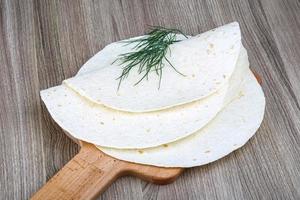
pixel 81 177
pixel 91 171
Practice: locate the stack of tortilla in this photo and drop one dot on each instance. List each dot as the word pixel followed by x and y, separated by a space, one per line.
pixel 189 121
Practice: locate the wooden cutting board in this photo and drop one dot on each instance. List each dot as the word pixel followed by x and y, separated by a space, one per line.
pixel 91 171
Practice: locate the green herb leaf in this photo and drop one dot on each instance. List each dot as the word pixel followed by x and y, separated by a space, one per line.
pixel 150 51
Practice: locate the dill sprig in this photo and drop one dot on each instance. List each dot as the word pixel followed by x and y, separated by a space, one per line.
pixel 150 51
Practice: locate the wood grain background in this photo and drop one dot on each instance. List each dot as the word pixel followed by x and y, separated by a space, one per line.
pixel 43 42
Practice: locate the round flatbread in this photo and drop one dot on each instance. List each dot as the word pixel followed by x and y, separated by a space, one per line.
pixel 207 61
pixel 103 126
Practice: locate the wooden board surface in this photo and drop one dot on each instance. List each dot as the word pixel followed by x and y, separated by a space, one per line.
pixel 43 42
pixel 91 172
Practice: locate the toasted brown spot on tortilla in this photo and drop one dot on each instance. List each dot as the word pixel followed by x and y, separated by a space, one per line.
pixel 241 94
pixel 165 145
pixel 140 151
pixel 208 151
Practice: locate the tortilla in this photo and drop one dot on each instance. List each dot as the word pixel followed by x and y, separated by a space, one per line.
pixel 230 130
pixel 100 125
pixel 207 61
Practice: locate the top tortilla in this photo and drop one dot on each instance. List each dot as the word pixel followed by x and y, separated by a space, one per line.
pixel 207 61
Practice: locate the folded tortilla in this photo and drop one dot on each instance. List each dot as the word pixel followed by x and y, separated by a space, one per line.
pixel 103 126
pixel 207 61
pixel 230 130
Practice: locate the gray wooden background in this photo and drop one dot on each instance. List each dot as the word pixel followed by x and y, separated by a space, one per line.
pixel 43 42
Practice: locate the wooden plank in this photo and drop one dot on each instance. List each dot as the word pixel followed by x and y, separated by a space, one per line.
pixel 21 158
pixel 43 42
